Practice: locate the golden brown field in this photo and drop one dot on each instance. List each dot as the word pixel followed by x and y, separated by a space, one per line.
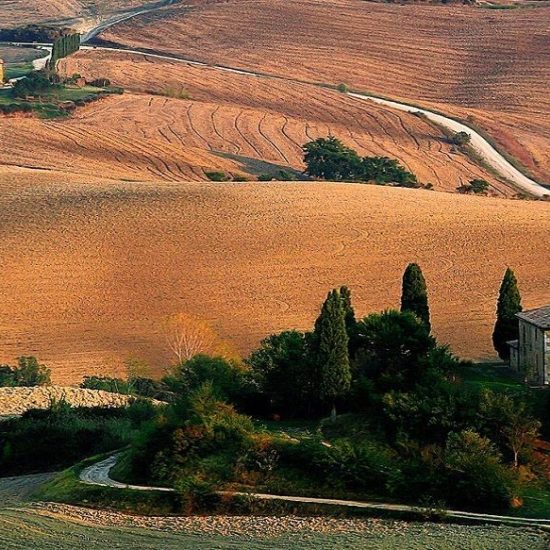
pixel 18 13
pixel 261 123
pixel 491 64
pixel 91 268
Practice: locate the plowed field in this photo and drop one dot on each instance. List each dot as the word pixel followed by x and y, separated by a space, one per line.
pixel 492 64
pixel 90 271
pixel 18 13
pixel 235 123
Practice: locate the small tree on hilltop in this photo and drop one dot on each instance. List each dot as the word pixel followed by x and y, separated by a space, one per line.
pixel 461 138
pixel 506 326
pixel 332 353
pixel 414 297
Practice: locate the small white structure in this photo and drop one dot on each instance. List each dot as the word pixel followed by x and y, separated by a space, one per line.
pixel 530 354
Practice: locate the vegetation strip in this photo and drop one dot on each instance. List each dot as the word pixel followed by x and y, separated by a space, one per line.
pixel 98 474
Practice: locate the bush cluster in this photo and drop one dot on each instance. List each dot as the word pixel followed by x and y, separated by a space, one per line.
pixel 329 159
pixel 60 436
pixel 28 372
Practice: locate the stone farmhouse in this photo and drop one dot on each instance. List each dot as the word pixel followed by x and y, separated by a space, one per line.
pixel 530 354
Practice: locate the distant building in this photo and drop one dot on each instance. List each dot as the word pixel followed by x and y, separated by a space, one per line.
pixel 530 354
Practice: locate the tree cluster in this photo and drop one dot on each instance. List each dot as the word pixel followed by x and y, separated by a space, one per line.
pixel 35 84
pixel 63 47
pixel 329 159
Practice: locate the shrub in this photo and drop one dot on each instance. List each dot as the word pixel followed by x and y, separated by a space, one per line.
pixel 105 383
pixel 196 495
pixel 475 475
pixel 461 138
pixel 343 88
pixel 217 176
pixel 28 372
pixel 100 83
pixel 225 377
pixel 50 439
pixel 476 186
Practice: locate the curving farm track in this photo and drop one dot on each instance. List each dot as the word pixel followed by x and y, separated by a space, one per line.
pixel 447 58
pixel 99 474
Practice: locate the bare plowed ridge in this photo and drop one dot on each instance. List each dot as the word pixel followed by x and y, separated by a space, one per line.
pixel 17 13
pixel 65 527
pixel 250 119
pixel 493 65
pixel 91 271
pixel 16 401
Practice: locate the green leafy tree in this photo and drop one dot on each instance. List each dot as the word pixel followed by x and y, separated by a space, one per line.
pixel 330 159
pixel 383 170
pixel 332 353
pixel 284 373
pixel 507 326
pixel 508 422
pixel 414 297
pixel 392 346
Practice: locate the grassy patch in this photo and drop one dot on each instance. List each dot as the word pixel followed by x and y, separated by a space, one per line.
pixel 536 502
pixel 17 70
pixel 491 376
pixel 50 104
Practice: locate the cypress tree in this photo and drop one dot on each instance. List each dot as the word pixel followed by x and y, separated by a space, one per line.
pixel 350 320
pixel 332 353
pixel 414 297
pixel 507 326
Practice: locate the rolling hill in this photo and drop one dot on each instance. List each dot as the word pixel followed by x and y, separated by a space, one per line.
pixel 93 267
pixel 490 66
pixel 231 122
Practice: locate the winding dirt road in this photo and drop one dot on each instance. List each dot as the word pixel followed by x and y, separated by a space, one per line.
pixel 99 474
pixel 120 18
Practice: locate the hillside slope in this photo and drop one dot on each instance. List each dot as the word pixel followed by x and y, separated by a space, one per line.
pixel 492 65
pixel 92 270
pixel 231 122
pixel 18 13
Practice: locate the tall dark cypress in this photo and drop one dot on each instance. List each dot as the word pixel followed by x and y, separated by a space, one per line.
pixel 414 297
pixel 349 317
pixel 332 353
pixel 507 326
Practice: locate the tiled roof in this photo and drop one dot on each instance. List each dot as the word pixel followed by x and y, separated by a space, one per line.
pixel 539 317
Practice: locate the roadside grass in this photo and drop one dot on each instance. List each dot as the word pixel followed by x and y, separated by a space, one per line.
pixel 536 502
